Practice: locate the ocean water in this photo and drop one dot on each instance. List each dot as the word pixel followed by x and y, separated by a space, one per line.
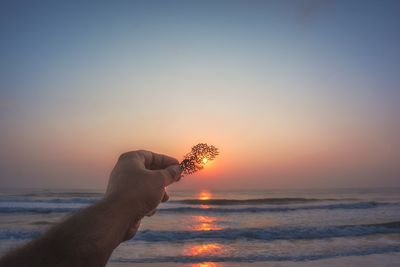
pixel 216 227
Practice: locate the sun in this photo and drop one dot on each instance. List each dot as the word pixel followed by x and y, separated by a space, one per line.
pixel 204 195
pixel 205 160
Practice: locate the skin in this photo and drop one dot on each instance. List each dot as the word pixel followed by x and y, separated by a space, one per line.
pixel 87 238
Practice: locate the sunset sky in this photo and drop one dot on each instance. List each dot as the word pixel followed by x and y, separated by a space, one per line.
pixel 295 94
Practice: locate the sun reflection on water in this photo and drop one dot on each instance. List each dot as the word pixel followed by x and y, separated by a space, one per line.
pixel 204 195
pixel 204 249
pixel 205 223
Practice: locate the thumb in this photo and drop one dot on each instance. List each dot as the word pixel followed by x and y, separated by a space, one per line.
pixel 171 174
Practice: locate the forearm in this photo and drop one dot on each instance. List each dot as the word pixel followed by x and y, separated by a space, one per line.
pixel 87 238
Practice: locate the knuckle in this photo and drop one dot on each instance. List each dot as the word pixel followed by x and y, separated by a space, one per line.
pixel 126 155
pixel 130 154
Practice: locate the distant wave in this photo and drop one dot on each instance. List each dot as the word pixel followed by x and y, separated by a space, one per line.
pixel 268 234
pixel 289 200
pixel 42 223
pixel 202 210
pixel 257 201
pixel 357 205
pixel 91 198
pixel 51 200
pixel 60 194
pixel 265 258
pixel 7 234
pixel 38 210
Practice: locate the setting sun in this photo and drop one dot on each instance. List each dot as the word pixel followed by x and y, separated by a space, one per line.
pixel 205 160
pixel 204 195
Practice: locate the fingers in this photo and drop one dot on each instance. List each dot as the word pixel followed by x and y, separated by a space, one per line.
pixel 171 174
pixel 165 197
pixel 151 213
pixel 160 161
pixel 168 167
pixel 151 160
pixel 154 161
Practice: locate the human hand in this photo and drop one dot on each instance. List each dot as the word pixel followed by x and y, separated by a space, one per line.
pixel 88 237
pixel 137 183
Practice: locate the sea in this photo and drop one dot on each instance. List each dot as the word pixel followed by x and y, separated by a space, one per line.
pixel 206 228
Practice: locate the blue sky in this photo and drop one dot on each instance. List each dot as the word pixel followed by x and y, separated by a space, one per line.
pixel 304 91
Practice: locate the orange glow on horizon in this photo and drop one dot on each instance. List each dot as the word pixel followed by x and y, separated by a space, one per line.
pixel 205 264
pixel 205 195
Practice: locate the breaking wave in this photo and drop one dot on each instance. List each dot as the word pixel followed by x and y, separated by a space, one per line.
pixel 357 205
pixel 265 258
pixel 268 234
pixel 45 209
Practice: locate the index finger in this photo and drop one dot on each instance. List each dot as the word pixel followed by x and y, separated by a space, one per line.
pixel 153 161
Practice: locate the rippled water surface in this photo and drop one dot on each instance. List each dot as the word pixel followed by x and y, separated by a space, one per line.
pixel 205 226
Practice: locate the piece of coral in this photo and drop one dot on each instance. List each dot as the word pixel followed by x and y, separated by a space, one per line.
pixel 198 157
